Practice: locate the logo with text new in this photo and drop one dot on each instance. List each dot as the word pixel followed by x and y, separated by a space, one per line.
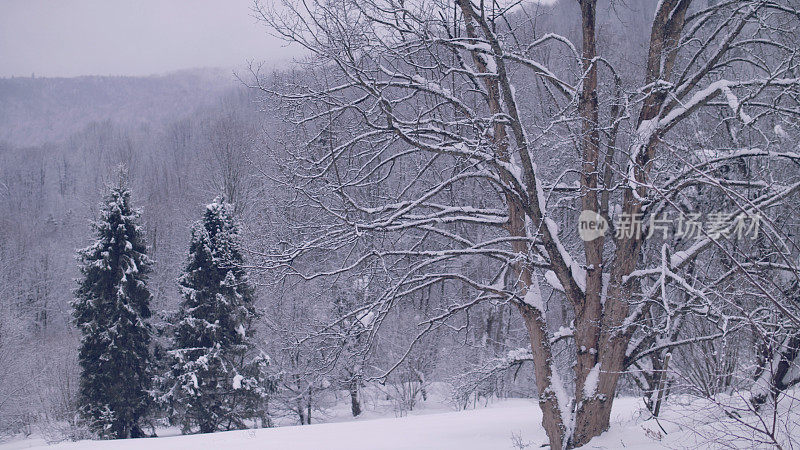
pixel 591 225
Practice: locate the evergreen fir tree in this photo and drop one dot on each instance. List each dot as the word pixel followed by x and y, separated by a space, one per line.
pixel 110 308
pixel 217 380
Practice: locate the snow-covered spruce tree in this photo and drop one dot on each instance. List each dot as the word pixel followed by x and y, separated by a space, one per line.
pixel 217 380
pixel 110 308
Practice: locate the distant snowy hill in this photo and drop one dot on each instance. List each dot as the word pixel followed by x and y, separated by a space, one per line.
pixel 38 110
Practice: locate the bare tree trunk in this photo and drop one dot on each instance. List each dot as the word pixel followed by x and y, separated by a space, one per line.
pixel 308 406
pixel 552 411
pixel 301 410
pixel 662 384
pixel 593 414
pixel 773 374
pixel 355 403
pixel 588 309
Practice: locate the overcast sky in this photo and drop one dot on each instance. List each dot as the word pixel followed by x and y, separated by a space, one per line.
pixel 130 37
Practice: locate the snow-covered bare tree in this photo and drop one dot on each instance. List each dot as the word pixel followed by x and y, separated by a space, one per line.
pixel 471 130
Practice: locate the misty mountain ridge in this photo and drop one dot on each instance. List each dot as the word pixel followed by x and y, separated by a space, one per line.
pixel 34 111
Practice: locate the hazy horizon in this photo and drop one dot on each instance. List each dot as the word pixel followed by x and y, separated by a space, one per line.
pixel 48 38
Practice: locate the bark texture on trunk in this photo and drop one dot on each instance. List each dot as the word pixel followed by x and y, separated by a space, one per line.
pixel 552 419
pixel 588 308
pixel 601 330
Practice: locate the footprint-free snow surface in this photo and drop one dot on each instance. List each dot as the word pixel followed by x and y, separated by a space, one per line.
pixel 506 424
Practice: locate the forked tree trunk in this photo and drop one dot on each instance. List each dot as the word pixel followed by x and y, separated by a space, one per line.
pixel 601 338
pixel 588 309
pixel 593 416
pixel 602 324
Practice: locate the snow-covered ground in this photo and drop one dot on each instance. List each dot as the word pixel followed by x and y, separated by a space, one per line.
pixel 492 427
pixel 503 424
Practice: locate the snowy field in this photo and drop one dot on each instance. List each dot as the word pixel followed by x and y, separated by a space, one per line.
pixel 504 424
pixel 492 427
